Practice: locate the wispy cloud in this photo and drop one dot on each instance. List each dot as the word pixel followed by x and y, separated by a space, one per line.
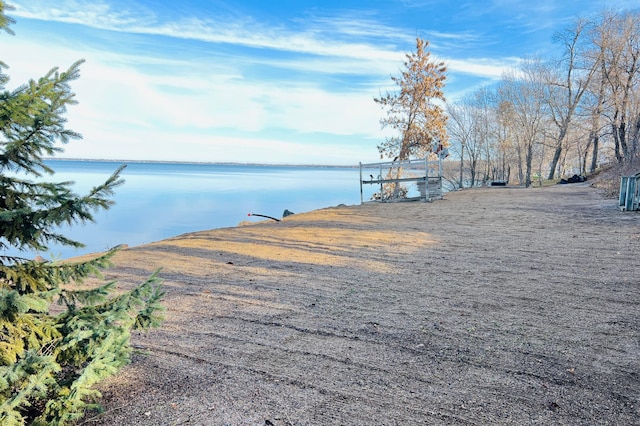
pixel 491 68
pixel 354 24
pixel 322 38
pixel 244 31
pixel 128 100
pixel 532 17
pixel 220 83
pixel 96 14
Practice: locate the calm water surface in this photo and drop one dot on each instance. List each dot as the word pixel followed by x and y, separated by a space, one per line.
pixel 161 200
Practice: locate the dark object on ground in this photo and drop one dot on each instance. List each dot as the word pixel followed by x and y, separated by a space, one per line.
pixel 286 213
pixel 499 183
pixel 573 179
pixel 262 215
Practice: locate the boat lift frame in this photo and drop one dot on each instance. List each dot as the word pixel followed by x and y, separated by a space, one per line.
pixel 427 174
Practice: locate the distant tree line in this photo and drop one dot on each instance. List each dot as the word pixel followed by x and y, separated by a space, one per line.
pixel 567 114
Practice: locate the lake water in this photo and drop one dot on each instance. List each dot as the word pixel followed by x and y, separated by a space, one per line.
pixel 162 200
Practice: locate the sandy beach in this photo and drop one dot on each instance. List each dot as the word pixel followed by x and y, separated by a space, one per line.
pixel 496 306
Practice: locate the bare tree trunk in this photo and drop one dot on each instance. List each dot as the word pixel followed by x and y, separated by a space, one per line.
pixel 461 166
pixel 554 162
pixel 557 154
pixel 635 138
pixel 583 159
pixel 622 136
pixel 595 140
pixel 616 141
pixel 594 133
pixel 562 165
pixel 472 171
pixel 529 161
pixel 520 167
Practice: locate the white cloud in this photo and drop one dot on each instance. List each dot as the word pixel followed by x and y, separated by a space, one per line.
pixel 190 146
pixel 491 68
pixel 126 113
pixel 162 106
pixel 96 14
pixel 244 32
pixel 328 53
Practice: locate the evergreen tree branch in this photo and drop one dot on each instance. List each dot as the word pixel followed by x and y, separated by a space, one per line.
pixel 31 120
pixel 49 362
pixel 6 21
pixel 45 207
pixel 33 276
pixel 33 374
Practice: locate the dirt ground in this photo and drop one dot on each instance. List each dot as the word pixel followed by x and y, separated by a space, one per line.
pixel 492 306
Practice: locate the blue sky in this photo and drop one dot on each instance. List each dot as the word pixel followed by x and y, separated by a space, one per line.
pixel 280 82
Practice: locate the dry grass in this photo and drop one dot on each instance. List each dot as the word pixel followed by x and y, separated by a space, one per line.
pixel 607 180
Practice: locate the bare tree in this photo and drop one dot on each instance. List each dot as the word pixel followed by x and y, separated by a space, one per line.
pixel 485 129
pixel 415 110
pixel 567 82
pixel 595 108
pixel 479 131
pixel 459 128
pixel 618 38
pixel 556 112
pixel 522 95
pixel 470 128
pixel 506 154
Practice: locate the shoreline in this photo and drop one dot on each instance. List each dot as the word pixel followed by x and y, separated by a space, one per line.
pixel 160 201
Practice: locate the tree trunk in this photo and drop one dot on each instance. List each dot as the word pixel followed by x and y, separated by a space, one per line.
pixel 558 151
pixel 520 168
pixel 461 166
pixel 529 161
pixel 616 143
pixel 635 139
pixel 594 155
pixel 622 136
pixel 472 171
pixel 554 162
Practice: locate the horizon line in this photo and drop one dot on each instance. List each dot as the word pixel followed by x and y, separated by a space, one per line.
pixel 221 163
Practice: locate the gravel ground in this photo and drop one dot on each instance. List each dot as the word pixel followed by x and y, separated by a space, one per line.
pixel 492 306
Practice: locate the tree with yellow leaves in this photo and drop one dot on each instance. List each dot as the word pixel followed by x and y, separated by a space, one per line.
pixel 416 110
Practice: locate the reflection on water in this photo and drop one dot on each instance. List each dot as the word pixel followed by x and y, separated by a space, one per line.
pixel 161 200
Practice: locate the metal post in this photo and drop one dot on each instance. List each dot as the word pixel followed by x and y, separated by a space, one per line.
pixel 361 196
pixel 380 178
pixel 427 196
